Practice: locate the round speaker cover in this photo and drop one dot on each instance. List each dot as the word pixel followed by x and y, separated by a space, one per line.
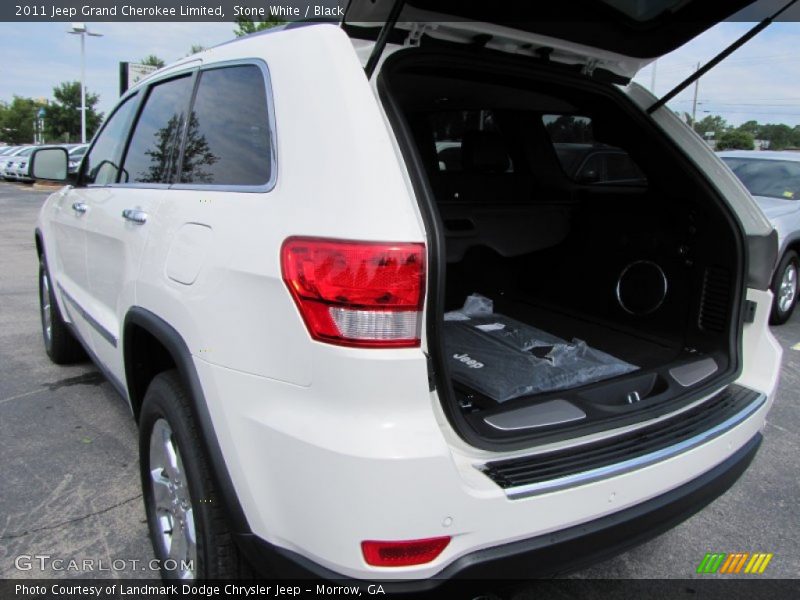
pixel 641 287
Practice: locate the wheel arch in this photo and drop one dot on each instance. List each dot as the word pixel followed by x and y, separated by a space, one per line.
pixel 793 245
pixel 150 346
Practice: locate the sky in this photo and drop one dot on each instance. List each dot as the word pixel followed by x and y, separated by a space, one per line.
pixel 759 81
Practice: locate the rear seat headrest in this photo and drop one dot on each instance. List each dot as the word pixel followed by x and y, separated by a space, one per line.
pixel 484 152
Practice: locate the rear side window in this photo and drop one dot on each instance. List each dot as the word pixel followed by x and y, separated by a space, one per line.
pixel 586 160
pixel 152 155
pixel 228 139
pixel 101 165
pixel 469 140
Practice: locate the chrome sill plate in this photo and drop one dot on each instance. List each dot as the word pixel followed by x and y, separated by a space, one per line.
pixel 576 479
pixel 552 412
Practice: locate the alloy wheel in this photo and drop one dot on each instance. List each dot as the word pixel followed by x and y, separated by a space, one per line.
pixel 174 514
pixel 787 291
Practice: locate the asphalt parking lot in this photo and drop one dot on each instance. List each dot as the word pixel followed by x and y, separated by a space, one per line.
pixel 69 481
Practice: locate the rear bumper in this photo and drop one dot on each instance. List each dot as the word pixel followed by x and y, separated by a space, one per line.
pixel 549 554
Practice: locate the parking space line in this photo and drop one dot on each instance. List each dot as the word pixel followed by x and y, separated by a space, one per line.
pixel 23 395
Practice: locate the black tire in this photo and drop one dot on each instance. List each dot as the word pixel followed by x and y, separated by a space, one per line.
pixel 59 343
pixel 217 556
pixel 781 310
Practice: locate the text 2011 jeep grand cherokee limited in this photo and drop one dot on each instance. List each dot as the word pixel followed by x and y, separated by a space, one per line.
pixel 477 305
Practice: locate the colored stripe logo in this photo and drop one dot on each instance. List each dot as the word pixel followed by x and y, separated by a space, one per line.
pixel 737 562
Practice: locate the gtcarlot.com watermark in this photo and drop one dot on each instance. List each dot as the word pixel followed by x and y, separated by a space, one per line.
pixel 47 562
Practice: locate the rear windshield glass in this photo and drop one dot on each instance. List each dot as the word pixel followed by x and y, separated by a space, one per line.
pixel 586 160
pixel 771 178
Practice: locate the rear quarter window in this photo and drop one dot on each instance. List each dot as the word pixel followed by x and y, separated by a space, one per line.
pixel 229 140
pixel 586 160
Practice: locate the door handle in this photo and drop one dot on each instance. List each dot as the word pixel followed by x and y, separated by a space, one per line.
pixel 79 207
pixel 135 215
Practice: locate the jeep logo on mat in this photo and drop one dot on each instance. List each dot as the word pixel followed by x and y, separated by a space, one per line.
pixel 470 362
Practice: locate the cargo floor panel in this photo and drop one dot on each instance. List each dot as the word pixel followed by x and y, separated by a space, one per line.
pixel 507 359
pixel 516 378
pixel 626 344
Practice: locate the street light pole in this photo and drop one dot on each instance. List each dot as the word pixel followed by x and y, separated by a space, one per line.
pixel 83 87
pixel 81 30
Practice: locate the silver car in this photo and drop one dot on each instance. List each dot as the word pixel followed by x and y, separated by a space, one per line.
pixel 773 178
pixel 76 154
pixel 17 167
pixel 8 162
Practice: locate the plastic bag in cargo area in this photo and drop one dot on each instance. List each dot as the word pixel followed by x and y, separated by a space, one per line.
pixel 492 354
pixel 479 311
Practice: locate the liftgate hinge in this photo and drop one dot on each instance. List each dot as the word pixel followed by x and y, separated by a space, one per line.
pixel 416 33
pixel 589 67
pixel 431 373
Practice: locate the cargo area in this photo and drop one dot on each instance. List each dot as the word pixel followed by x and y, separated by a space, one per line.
pixel 611 269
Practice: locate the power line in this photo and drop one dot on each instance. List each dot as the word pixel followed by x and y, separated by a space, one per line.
pixel 754 112
pixel 715 103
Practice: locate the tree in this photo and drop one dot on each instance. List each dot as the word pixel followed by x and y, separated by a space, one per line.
pixel 751 127
pixel 713 123
pixel 735 139
pixel 779 135
pixel 153 61
pixel 16 120
pixel 195 49
pixel 246 26
pixel 796 136
pixel 62 119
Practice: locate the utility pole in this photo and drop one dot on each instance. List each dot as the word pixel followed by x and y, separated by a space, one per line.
pixel 694 102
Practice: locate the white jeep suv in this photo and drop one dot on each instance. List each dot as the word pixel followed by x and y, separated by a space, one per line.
pixel 398 326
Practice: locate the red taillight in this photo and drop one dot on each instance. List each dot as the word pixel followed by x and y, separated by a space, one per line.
pixel 357 293
pixel 403 554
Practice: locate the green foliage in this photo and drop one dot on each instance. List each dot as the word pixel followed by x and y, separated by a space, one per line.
pixel 195 49
pixel 751 127
pixel 62 120
pixel 153 61
pixel 735 139
pixel 246 26
pixel 779 135
pixel 713 123
pixel 16 120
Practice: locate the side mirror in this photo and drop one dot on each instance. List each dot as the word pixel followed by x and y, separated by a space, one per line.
pixel 588 176
pixel 48 163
